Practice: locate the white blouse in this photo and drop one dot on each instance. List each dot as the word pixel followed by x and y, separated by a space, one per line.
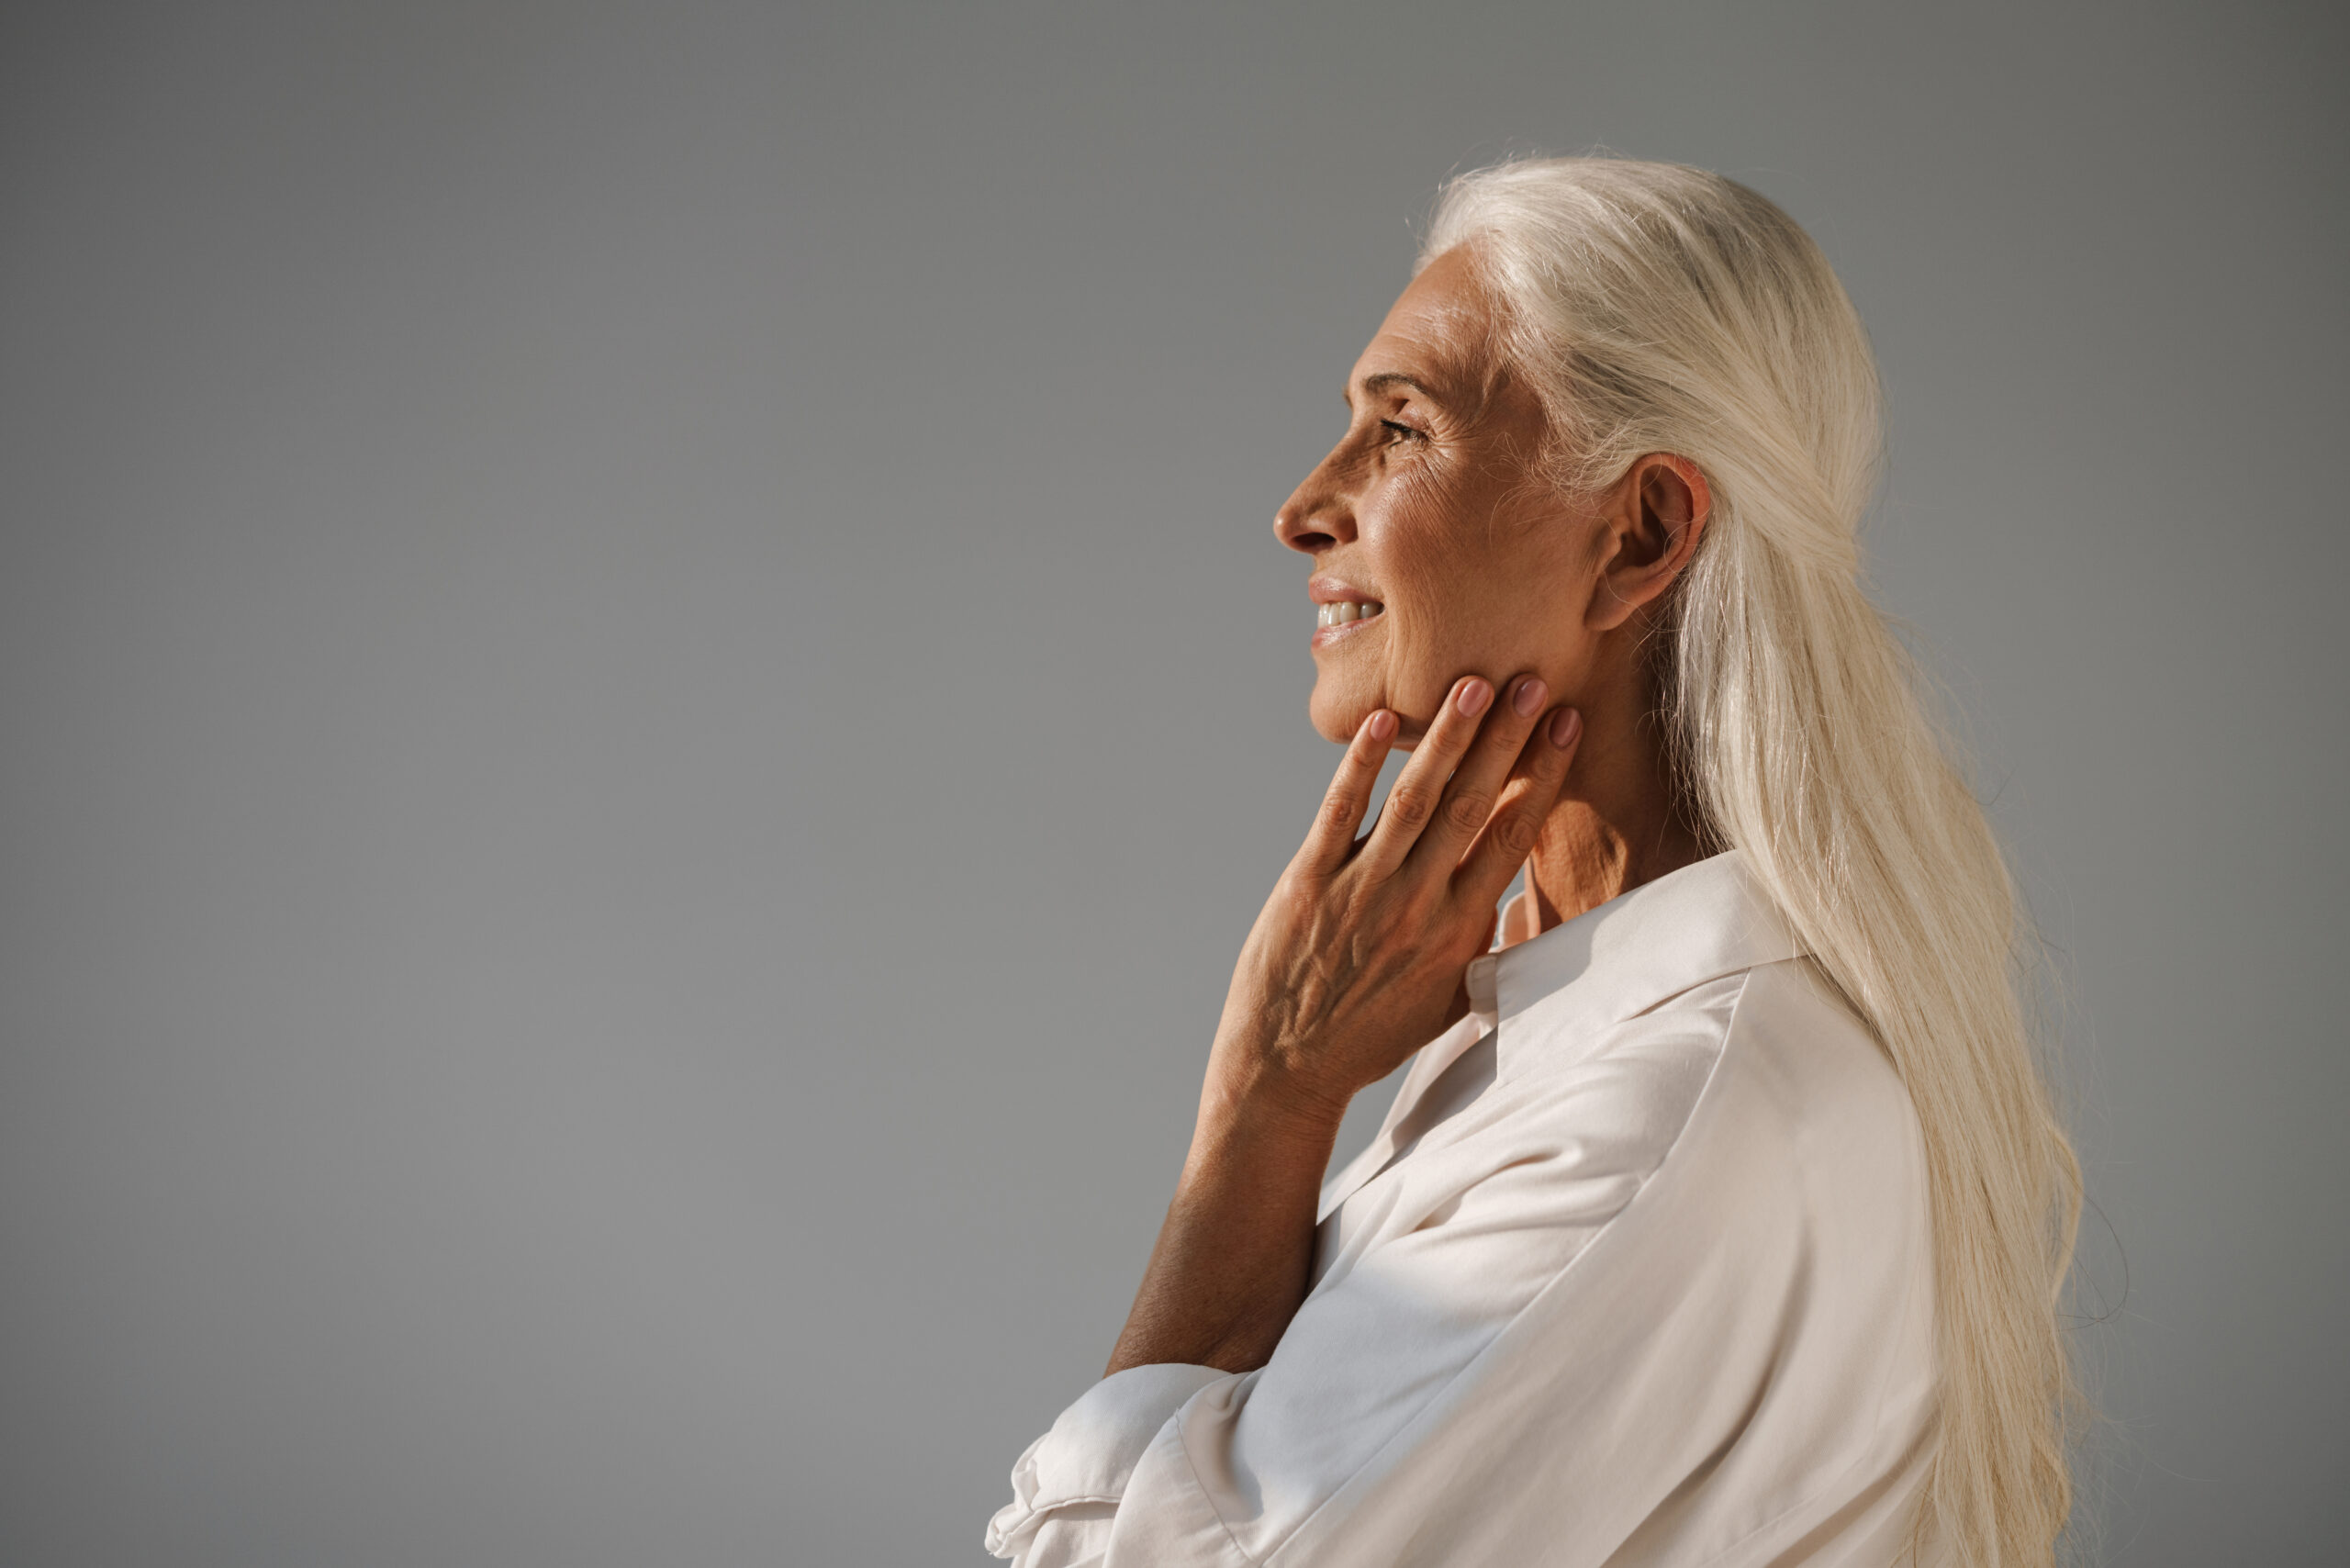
pixel 1637 1271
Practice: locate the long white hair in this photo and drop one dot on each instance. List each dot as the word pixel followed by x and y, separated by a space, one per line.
pixel 1657 308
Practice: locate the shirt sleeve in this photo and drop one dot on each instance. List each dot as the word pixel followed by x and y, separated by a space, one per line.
pixel 1066 1487
pixel 1426 1361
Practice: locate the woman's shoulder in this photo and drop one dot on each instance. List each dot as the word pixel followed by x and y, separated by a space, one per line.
pixel 1802 1140
pixel 1765 1078
pixel 1801 1063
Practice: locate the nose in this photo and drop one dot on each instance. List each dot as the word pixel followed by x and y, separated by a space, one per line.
pixel 1316 515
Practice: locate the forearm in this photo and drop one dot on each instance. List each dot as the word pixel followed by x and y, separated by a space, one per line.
pixel 1237 1250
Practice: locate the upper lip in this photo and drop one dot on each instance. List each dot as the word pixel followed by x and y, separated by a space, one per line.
pixel 1338 590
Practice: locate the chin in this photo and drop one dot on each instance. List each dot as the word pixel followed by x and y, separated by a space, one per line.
pixel 1329 718
pixel 1336 711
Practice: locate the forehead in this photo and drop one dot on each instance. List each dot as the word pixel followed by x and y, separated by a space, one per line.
pixel 1441 325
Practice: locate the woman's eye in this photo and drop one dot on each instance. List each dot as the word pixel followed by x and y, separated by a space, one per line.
pixel 1402 431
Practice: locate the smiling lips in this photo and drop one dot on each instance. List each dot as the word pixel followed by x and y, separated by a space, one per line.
pixel 1344 611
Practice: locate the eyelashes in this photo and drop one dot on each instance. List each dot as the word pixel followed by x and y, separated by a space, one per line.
pixel 1401 431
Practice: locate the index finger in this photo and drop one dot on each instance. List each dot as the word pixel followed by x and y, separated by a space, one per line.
pixel 1332 837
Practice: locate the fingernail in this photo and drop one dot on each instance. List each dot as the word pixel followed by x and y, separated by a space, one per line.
pixel 1530 692
pixel 1382 724
pixel 1564 727
pixel 1475 694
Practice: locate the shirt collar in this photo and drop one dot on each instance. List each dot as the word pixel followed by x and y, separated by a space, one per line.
pixel 1708 919
pixel 1547 1002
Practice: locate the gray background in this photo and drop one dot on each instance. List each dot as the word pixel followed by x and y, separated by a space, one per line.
pixel 646 690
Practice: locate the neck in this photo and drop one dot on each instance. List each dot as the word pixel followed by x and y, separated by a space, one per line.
pixel 1617 823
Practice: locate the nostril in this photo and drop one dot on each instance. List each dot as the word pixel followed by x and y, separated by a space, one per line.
pixel 1309 529
pixel 1299 535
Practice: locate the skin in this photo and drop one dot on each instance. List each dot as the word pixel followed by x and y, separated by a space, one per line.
pixel 1500 593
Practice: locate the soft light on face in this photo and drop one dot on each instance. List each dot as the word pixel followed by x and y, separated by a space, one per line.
pixel 1438 551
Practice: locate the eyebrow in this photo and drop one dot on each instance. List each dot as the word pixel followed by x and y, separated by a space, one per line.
pixel 1385 379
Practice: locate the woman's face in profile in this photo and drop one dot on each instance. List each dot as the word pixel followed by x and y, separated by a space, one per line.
pixel 1429 524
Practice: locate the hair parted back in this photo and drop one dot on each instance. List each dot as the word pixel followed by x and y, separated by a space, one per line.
pixel 1661 308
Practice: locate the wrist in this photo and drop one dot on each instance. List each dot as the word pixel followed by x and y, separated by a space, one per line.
pixel 1264 1104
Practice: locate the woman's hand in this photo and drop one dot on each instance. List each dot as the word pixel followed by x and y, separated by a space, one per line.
pixel 1356 962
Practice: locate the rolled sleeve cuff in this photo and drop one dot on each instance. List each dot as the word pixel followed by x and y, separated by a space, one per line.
pixel 1091 1451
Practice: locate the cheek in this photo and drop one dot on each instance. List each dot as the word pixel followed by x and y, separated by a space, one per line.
pixel 1432 563
pixel 1495 605
pixel 1476 582
pixel 1440 632
pixel 1470 588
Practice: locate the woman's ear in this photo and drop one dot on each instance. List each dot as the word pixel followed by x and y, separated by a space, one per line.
pixel 1653 517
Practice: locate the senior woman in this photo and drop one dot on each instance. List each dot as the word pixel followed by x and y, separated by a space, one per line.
pixel 1720 1216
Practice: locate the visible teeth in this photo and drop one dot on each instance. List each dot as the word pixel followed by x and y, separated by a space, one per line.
pixel 1338 614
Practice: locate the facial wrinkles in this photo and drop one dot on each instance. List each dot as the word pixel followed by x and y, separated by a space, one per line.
pixel 1465 350
pixel 1432 501
pixel 1446 519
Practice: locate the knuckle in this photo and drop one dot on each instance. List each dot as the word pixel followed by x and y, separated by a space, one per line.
pixel 1411 806
pixel 1467 810
pixel 1516 832
pixel 1296 900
